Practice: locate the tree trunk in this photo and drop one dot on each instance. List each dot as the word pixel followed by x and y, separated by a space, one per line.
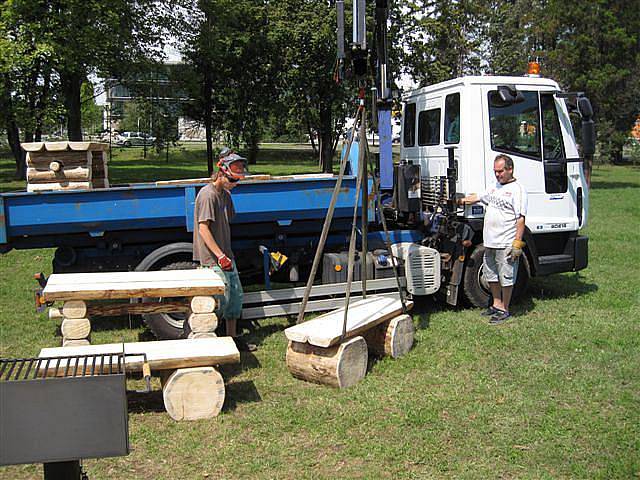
pixel 253 145
pixel 8 119
pixel 326 138
pixel 71 83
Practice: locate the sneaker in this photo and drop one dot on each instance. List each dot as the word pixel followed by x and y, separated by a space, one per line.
pixel 490 311
pixel 499 317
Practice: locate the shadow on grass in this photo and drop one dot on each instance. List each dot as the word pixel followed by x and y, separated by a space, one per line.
pixel 238 393
pixel 554 287
pixel 101 324
pixel 600 185
pixel 145 402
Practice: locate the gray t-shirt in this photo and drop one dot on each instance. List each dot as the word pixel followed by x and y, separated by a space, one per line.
pixel 216 207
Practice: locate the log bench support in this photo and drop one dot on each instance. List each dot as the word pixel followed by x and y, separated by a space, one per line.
pixel 318 352
pixel 341 365
pixel 192 386
pixel 77 316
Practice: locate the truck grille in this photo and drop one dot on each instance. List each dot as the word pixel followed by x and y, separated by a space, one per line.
pixel 434 191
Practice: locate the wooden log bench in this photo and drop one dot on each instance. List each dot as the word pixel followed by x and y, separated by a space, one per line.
pixel 192 387
pixel 317 351
pixel 190 292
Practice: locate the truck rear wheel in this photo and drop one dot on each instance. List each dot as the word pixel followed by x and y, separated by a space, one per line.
pixel 175 256
pixel 168 326
pixel 475 287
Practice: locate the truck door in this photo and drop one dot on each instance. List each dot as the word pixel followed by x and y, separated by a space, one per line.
pixel 528 131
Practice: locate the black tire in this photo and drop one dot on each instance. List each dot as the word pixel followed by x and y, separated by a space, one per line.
pixel 475 288
pixel 168 326
pixel 127 143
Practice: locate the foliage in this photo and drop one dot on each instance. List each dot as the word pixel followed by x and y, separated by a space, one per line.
pixel 303 34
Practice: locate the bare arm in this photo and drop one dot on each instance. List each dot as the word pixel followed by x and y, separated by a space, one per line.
pixel 209 241
pixel 469 199
pixel 519 228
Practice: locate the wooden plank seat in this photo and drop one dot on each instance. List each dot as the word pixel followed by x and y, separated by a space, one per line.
pixel 317 351
pixel 111 285
pixel 326 330
pixel 90 295
pixel 192 387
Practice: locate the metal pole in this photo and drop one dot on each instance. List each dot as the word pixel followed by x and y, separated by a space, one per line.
pixel 325 227
pixel 365 194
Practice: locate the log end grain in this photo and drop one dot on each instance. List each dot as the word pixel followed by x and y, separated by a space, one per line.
pixel 393 338
pixel 74 309
pixel 340 366
pixel 75 328
pixel 203 304
pixel 194 393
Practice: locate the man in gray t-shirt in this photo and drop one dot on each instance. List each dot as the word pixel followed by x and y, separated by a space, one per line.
pixel 212 234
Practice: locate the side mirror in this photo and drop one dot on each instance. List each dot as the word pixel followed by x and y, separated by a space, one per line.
pixel 585 108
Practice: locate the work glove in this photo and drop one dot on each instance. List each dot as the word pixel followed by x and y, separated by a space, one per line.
pixel 225 263
pixel 515 250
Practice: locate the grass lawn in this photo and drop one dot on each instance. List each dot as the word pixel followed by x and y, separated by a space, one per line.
pixel 553 394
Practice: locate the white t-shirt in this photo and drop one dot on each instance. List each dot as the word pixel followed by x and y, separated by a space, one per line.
pixel 505 204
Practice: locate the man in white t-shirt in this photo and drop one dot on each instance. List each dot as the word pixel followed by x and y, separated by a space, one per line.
pixel 502 235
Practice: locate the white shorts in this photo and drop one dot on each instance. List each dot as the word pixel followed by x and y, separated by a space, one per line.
pixel 499 268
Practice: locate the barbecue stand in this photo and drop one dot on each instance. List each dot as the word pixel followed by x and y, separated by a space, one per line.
pixel 58 410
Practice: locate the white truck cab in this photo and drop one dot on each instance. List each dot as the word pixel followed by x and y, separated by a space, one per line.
pixel 454 130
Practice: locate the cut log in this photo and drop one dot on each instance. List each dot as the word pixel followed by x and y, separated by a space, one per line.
pixel 76 174
pixel 42 160
pixel 115 309
pixel 74 309
pixel 203 304
pixel 64 185
pixel 53 166
pixel 161 355
pixel 112 285
pixel 202 335
pixel 194 393
pixel 203 322
pixel 75 328
pixel 392 338
pixel 326 330
pixel 55 313
pixel 341 365
pixel 66 343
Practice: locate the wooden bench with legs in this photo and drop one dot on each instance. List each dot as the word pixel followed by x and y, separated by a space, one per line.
pixel 319 353
pixel 84 294
pixel 192 387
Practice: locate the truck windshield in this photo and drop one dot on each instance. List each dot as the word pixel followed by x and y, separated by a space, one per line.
pixel 515 128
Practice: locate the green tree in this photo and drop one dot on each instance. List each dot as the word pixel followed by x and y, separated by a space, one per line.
pixel 303 35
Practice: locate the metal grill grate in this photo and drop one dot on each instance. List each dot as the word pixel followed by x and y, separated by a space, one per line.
pixel 69 366
pixel 434 191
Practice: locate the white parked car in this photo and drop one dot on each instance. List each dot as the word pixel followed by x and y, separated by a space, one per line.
pixel 134 139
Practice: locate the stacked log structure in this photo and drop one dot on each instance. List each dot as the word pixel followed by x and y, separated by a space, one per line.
pixel 66 166
pixel 201 319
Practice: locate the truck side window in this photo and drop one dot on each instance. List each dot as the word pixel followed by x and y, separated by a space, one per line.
pixel 429 127
pixel 452 118
pixel 409 127
pixel 515 127
pixel 551 133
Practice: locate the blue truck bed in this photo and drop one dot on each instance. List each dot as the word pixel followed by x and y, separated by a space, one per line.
pixel 271 212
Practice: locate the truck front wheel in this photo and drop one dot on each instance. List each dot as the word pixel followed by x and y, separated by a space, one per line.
pixel 475 287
